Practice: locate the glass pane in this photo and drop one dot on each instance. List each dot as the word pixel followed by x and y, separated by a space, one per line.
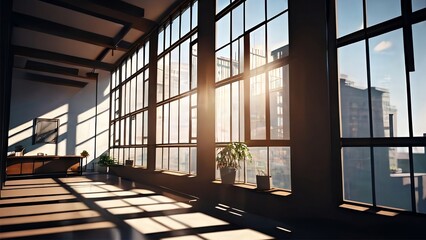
pixel 113 80
pixel 279 167
pixel 419 163
pixel 158 158
pixel 193 166
pixel 175 29
pixel 257 108
pixel 254 13
pixel 174 159
pixel 134 63
pixel 167 37
pixel 278 38
pixel 184 120
pixel 389 97
pixel 221 4
pixel 223 70
pixel 393 187
pixel 139 91
pixel 418 81
pixel 279 103
pixel 145 93
pixel 237 57
pixel 223 114
pixel 357 182
pixel 194 15
pixel 123 71
pixel 160 77
pixel 184 159
pixel 418 4
pixel 165 158
pixel 144 157
pixel 349 16
pixel 174 73
pixel 382 10
pixel 145 127
pixel 184 67
pixel 129 68
pixel 236 111
pixel 237 22
pixel 140 58
pixel 259 165
pixel 159 125
pixel 257 48
pixel 194 66
pixel 132 95
pixel 274 7
pixel 166 123
pixel 354 107
pixel 146 53
pixel 223 31
pixel 160 42
pixel 139 130
pixel 138 158
pixel 185 21
pixel 166 76
pixel 174 122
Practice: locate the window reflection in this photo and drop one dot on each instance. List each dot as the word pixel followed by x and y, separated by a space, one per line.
pixel 257 107
pixel 389 100
pixel 418 81
pixel 257 48
pixel 278 38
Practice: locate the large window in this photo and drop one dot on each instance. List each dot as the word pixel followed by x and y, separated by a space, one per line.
pixel 252 85
pixel 382 78
pixel 177 92
pixel 129 109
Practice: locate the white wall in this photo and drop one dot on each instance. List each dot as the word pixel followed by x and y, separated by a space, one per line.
pixel 74 107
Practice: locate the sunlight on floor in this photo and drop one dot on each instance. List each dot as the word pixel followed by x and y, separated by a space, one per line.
pixel 42 206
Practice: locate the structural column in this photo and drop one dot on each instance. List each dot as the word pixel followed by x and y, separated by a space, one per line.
pixel 152 100
pixel 206 91
pixel 6 62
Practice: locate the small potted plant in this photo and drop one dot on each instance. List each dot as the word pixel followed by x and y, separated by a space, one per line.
pixel 263 180
pixel 228 160
pixel 84 154
pixel 19 150
pixel 106 161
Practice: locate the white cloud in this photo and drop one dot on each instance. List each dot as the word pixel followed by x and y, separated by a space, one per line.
pixel 383 45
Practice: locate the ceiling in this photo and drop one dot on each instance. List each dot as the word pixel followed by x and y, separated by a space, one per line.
pixel 64 41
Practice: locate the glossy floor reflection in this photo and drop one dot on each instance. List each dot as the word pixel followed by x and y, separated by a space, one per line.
pixel 99 206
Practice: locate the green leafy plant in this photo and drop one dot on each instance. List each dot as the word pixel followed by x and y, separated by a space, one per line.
pixel 105 160
pixel 232 154
pixel 84 153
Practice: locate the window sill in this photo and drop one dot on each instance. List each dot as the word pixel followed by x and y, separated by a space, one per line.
pixel 367 209
pixel 250 187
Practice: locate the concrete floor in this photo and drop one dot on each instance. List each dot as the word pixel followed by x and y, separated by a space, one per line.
pixel 100 206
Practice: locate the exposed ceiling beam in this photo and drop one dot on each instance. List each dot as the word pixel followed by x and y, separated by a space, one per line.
pixel 100 10
pixel 117 40
pixel 58 57
pixel 50 68
pixel 54 80
pixel 41 25
pixel 122 7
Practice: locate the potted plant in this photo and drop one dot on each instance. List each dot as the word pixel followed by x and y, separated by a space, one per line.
pixel 228 160
pixel 84 154
pixel 263 180
pixel 106 161
pixel 19 150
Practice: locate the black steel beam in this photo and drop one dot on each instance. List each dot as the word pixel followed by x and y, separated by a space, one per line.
pixel 54 80
pixel 52 28
pixel 100 10
pixel 58 57
pixel 50 68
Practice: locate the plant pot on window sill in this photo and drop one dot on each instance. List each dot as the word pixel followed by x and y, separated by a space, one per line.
pixel 263 182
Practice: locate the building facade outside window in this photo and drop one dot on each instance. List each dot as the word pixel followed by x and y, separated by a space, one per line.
pixel 381 64
pixel 252 85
